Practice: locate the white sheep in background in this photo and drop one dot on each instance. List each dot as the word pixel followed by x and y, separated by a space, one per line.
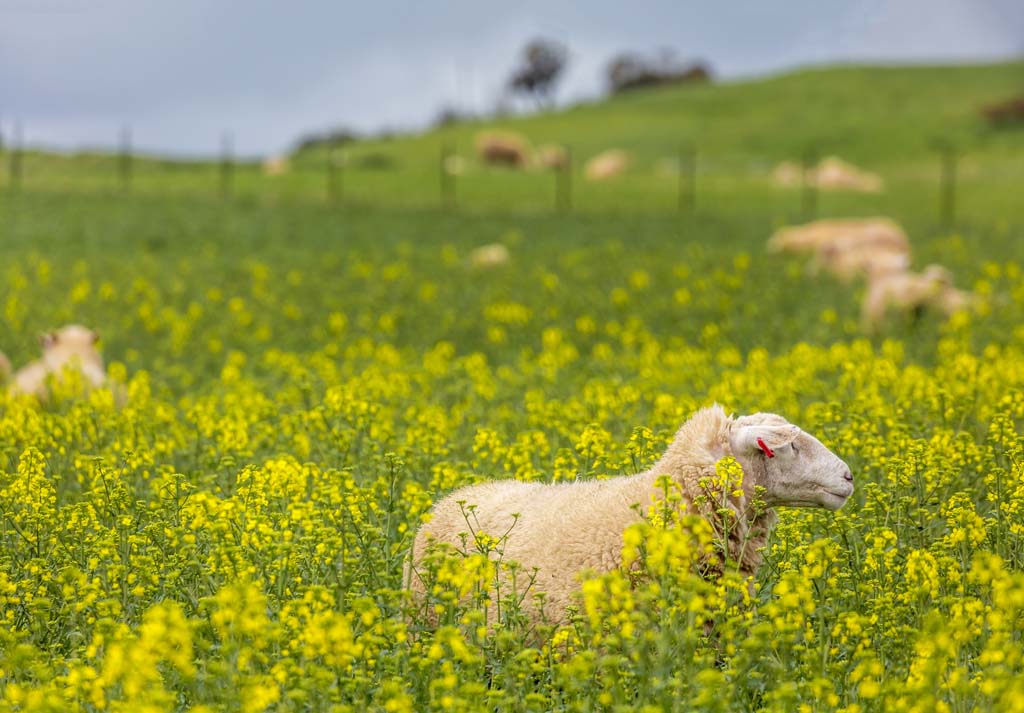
pixel 911 292
pixel 565 529
pixel 552 156
pixel 832 173
pixel 835 173
pixel 849 262
pixel 275 166
pixel 606 164
pixel 840 233
pixel 503 148
pixel 72 345
pixel 488 256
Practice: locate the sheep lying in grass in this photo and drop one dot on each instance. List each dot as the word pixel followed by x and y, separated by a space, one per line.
pixel 839 233
pixel 72 345
pixel 552 156
pixel 565 529
pixel 848 262
pixel 606 164
pixel 848 247
pixel 832 173
pixel 488 256
pixel 836 174
pixel 911 292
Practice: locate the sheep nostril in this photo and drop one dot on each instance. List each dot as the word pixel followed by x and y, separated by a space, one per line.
pixel 848 476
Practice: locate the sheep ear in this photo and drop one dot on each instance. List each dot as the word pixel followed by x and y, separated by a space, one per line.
pixel 95 336
pixel 763 439
pixel 47 340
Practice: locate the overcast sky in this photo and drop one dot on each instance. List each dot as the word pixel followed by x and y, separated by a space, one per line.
pixel 180 72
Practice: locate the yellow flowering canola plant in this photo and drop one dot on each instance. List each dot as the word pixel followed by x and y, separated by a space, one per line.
pixel 231 534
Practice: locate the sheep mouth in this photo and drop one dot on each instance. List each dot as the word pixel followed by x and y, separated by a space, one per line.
pixel 836 499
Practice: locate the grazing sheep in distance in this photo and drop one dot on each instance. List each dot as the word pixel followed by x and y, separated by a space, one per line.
pixel 566 529
pixel 552 156
pixel 911 292
pixel 606 164
pixel 490 255
pixel 275 166
pixel 503 148
pixel 72 345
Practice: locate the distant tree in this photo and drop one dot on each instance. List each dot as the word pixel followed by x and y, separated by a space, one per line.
pixel 632 71
pixel 326 139
pixel 628 70
pixel 543 62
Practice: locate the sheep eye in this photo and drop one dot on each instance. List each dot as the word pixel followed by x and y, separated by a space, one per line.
pixel 793 446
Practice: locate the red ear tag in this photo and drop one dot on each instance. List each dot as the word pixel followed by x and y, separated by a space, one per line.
pixel 767 451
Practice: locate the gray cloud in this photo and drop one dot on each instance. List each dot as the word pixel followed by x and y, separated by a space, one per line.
pixel 181 73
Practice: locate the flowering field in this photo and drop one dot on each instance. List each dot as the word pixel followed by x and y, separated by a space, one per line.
pixel 300 389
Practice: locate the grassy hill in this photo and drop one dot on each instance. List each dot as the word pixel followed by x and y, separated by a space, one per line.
pixel 885 119
pixel 877 115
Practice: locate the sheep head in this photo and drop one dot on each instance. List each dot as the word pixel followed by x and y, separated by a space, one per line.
pixel 794 467
pixel 70 342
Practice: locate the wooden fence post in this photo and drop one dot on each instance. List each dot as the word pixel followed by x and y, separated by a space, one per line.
pixel 809 184
pixel 563 184
pixel 124 162
pixel 227 167
pixel 334 186
pixel 16 157
pixel 687 198
pixel 447 177
pixel 947 185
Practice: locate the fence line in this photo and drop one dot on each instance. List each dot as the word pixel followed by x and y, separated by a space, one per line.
pixel 125 159
pixel 947 185
pixel 563 184
pixel 451 166
pixel 687 200
pixel 227 165
pixel 16 157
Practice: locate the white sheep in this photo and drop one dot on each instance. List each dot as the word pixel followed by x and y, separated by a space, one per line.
pixel 911 292
pixel 275 166
pixel 848 262
pixel 839 233
pixel 488 256
pixel 832 173
pixel 564 530
pixel 72 345
pixel 606 164
pixel 835 173
pixel 552 156
pixel 503 148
